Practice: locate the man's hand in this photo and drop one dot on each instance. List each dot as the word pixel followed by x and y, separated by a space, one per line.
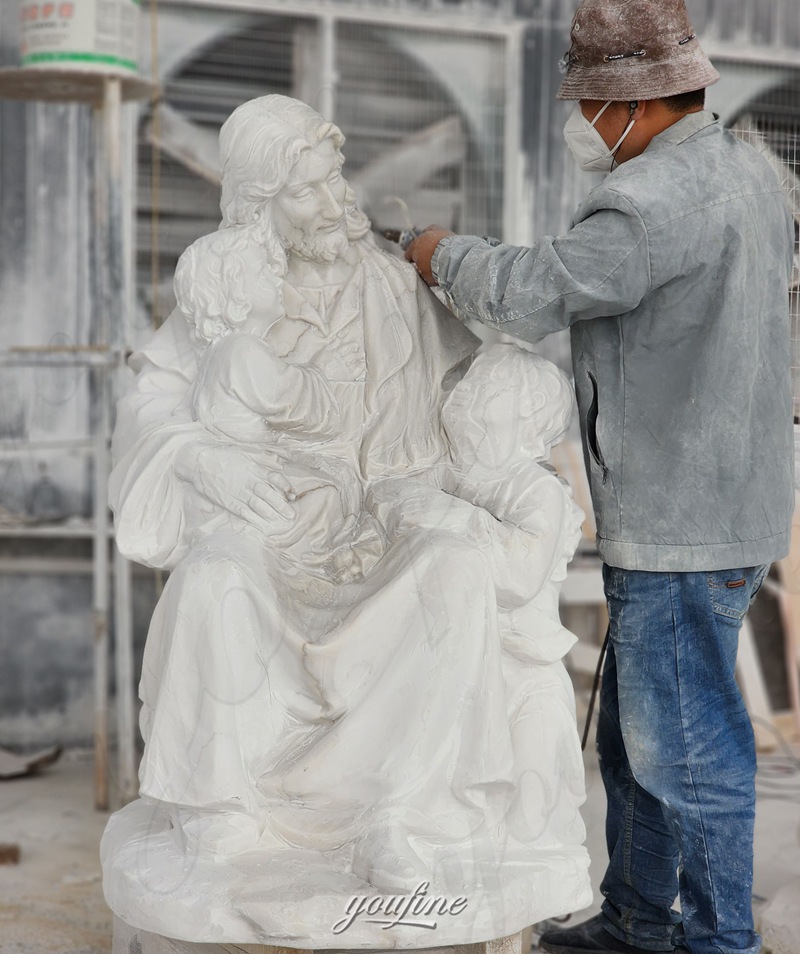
pixel 421 250
pixel 232 480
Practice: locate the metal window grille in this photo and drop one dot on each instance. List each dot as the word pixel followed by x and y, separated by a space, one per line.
pixel 771 123
pixel 748 23
pixel 424 114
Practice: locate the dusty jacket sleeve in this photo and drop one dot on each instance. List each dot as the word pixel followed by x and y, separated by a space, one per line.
pixel 600 267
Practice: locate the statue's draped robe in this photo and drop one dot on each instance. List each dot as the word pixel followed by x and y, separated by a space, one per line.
pixel 415 711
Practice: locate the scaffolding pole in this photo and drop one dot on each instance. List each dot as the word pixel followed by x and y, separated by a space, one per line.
pixel 105 357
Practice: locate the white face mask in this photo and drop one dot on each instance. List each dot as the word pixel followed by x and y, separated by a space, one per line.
pixel 587 146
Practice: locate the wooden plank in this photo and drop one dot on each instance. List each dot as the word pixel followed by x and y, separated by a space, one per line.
pixel 9 853
pixel 583 658
pixel 192 145
pixel 786 724
pixel 504 945
pixel 129 939
pixel 126 678
pixel 583 585
pixel 15 766
pixel 754 690
pixel 789 602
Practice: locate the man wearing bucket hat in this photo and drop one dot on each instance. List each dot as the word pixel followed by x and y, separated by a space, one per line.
pixel 673 281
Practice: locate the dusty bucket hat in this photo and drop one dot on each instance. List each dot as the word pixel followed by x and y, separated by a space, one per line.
pixel 633 49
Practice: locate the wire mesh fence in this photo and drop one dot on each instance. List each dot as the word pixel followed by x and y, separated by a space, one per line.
pixel 424 120
pixel 749 22
pixel 771 123
pixel 423 114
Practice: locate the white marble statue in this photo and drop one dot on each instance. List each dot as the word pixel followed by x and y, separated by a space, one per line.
pixel 244 392
pixel 352 691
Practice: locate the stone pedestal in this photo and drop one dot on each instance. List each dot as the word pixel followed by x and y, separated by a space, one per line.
pixel 131 940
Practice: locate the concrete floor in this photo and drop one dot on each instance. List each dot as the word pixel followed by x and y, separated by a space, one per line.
pixel 52 902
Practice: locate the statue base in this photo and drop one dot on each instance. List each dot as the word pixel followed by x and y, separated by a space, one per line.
pixel 310 900
pixel 131 940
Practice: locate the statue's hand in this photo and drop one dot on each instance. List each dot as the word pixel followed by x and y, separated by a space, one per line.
pixel 406 503
pixel 230 478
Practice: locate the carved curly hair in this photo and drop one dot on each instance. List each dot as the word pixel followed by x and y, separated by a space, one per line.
pixel 208 281
pixel 260 143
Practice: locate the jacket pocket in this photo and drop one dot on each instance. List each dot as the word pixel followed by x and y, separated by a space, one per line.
pixel 591 426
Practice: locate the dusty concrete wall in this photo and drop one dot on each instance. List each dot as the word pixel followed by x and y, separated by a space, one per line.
pixel 45 642
pixel 46 678
pixel 45 624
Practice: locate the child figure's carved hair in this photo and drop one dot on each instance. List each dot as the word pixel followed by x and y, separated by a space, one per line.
pixel 209 282
pixel 483 428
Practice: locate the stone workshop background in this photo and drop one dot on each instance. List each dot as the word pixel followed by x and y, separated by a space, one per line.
pixel 448 106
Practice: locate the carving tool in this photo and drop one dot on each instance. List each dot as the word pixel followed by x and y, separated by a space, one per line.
pixel 402 237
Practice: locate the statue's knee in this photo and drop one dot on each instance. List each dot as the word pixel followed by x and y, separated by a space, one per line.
pixel 444 545
pixel 213 571
pixel 473 561
pixel 460 561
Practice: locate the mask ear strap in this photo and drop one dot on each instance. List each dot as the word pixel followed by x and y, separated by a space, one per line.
pixel 601 112
pixel 623 137
pixel 633 105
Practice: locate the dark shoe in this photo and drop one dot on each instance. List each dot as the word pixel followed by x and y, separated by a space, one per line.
pixel 587 938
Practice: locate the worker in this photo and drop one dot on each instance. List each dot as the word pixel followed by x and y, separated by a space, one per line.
pixel 674 283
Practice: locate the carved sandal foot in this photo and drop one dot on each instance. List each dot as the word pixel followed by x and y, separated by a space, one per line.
pixel 215 836
pixel 385 860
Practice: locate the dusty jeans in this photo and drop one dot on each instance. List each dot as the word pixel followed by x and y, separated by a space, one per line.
pixel 677 758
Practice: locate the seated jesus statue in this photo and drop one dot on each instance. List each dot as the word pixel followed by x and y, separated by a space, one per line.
pixel 311 735
pixel 244 393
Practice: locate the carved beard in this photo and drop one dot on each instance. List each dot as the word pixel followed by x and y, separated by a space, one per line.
pixel 322 249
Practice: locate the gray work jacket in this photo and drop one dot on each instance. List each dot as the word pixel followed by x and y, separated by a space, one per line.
pixel 674 281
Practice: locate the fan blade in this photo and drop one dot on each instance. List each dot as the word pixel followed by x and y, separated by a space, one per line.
pixel 409 164
pixel 193 146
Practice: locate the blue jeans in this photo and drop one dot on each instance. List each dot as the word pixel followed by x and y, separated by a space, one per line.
pixel 677 758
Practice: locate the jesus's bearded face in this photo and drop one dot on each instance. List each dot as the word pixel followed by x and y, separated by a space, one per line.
pixel 308 214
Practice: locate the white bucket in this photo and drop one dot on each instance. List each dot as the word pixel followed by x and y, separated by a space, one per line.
pixel 101 36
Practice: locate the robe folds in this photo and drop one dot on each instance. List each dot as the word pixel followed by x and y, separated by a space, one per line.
pixel 311 736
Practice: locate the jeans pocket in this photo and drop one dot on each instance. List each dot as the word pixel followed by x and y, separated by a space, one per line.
pixel 731 591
